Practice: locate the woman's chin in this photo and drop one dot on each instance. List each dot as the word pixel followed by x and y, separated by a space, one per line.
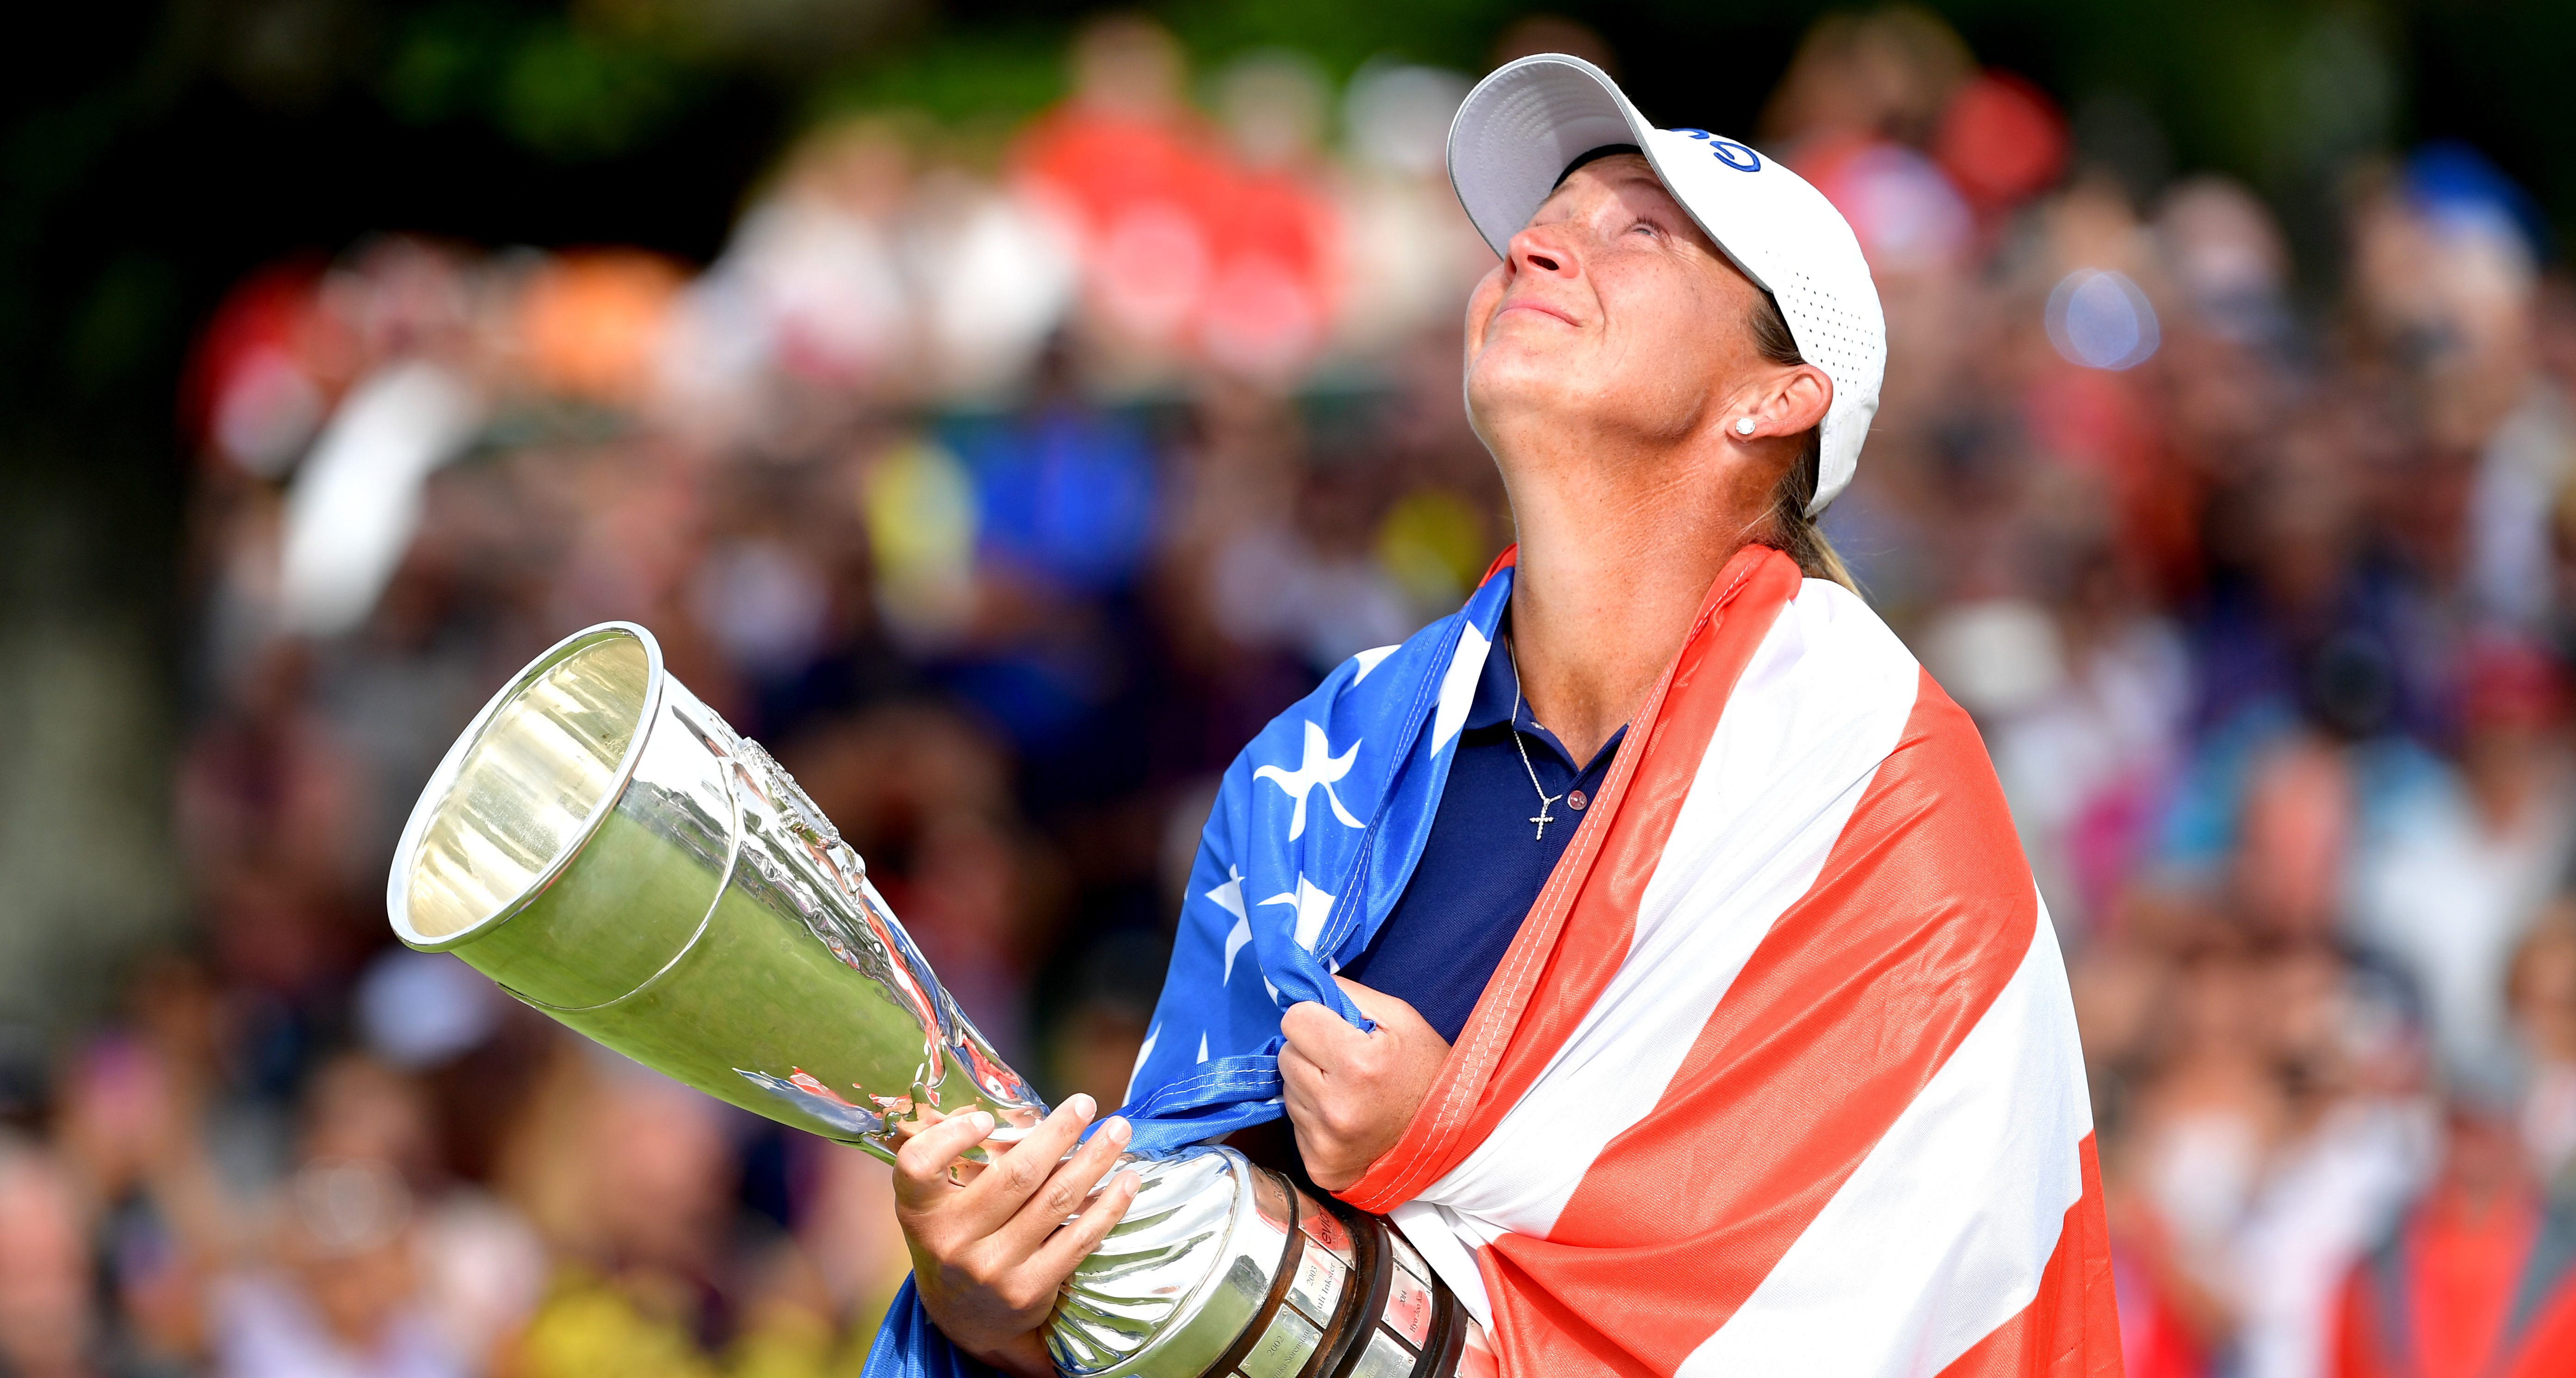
pixel 1505 383
pixel 1520 361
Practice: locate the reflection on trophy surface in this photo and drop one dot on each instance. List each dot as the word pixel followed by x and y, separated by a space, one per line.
pixel 601 844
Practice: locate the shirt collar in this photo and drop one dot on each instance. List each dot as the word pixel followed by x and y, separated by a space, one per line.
pixel 1498 686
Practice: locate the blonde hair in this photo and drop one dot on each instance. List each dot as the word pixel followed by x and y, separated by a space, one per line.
pixel 1789 528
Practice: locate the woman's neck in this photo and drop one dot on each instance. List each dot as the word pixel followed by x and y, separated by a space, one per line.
pixel 1616 556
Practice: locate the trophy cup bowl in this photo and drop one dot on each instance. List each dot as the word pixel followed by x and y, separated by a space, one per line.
pixel 604 847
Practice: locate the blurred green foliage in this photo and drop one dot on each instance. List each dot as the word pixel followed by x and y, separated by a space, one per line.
pixel 442 63
pixel 557 87
pixel 999 72
pixel 154 150
pixel 2267 89
pixel 570 92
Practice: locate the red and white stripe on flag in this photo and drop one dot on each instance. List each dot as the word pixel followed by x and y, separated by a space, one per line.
pixel 1780 1074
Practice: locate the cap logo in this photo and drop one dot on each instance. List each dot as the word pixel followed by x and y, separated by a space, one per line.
pixel 1727 151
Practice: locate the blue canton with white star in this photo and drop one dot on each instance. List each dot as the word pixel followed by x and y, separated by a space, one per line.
pixel 1316 829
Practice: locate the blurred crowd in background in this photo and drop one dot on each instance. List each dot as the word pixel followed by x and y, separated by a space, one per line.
pixel 1005 481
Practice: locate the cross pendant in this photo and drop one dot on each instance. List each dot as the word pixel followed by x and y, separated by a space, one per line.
pixel 1542 818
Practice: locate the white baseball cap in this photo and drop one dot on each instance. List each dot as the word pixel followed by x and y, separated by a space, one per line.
pixel 1524 125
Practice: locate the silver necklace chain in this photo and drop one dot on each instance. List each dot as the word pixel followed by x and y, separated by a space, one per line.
pixel 1542 818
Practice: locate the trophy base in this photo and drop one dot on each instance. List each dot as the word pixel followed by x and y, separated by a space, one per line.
pixel 1226 1270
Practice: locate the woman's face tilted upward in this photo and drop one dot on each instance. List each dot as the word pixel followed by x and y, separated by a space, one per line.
pixel 1614 314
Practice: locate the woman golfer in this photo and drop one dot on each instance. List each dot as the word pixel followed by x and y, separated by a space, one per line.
pixel 1648 938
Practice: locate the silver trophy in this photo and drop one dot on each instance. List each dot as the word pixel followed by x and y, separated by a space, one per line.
pixel 601 844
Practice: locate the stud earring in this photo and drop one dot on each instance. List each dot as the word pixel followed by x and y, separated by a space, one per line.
pixel 1744 425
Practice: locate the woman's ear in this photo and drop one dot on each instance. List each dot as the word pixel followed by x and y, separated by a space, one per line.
pixel 1791 403
pixel 1802 398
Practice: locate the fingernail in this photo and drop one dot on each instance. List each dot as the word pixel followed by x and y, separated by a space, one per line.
pixel 1081 1105
pixel 1117 1129
pixel 983 1122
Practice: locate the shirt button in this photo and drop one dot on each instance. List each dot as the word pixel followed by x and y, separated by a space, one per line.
pixel 1576 799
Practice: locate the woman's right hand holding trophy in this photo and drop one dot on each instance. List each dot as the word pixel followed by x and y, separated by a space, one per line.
pixel 988 1255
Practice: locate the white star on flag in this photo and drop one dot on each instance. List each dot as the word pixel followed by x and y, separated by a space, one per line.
pixel 1313 907
pixel 1153 1035
pixel 1458 686
pixel 1321 767
pixel 1229 897
pixel 1234 942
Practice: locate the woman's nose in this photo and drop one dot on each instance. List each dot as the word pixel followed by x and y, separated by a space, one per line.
pixel 1539 250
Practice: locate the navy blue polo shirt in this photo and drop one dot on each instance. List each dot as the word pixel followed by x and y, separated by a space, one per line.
pixel 1485 861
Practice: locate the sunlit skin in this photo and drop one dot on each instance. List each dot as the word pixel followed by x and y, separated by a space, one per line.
pixel 1609 357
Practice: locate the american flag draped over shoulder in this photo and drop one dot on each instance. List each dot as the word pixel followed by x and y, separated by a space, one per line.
pixel 1780 1074
pixel 1316 828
